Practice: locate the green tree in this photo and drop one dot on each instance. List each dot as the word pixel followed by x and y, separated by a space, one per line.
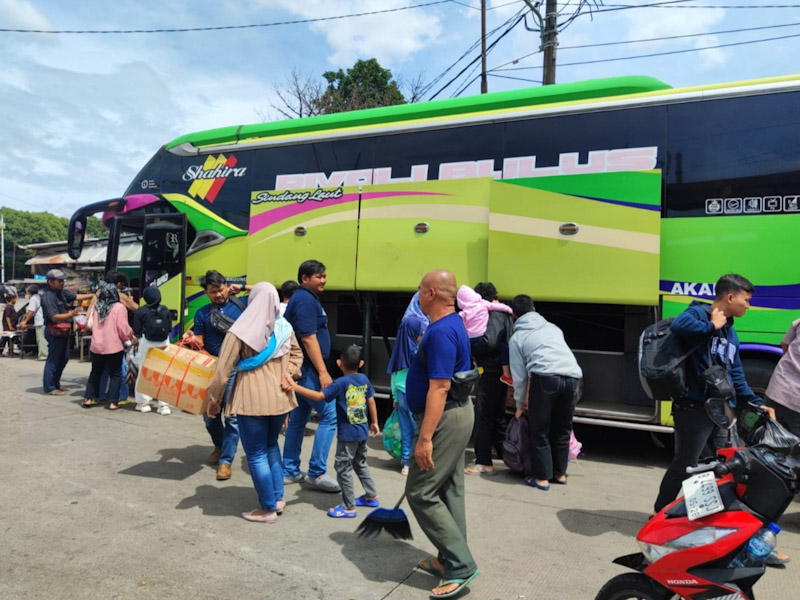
pixel 365 85
pixel 23 228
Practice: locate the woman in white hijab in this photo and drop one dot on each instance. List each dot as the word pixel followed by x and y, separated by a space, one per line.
pixel 261 347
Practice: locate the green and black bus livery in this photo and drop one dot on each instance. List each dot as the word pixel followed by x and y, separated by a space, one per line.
pixel 611 202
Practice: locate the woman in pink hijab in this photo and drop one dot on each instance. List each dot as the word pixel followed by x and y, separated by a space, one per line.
pixel 262 349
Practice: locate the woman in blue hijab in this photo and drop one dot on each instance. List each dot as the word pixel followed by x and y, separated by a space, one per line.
pixel 405 348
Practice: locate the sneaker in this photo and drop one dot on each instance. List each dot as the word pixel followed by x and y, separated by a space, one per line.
pixel 404 471
pixel 294 478
pixel 164 410
pixel 507 380
pixel 324 484
pixel 143 408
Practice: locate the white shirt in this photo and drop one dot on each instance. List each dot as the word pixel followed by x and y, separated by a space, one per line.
pixel 35 306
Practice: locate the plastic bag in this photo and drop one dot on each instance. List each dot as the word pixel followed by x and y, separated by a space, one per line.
pixel 774 435
pixel 392 436
pixel 574 446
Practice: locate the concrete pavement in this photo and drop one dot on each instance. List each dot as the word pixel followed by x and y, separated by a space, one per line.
pixel 101 504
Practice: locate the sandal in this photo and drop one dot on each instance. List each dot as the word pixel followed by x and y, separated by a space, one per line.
pixel 531 481
pixel 338 512
pixel 460 583
pixel 89 403
pixel 427 565
pixel 112 406
pixel 56 392
pixel 477 469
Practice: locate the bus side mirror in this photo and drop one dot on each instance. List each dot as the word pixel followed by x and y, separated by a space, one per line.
pixel 76 232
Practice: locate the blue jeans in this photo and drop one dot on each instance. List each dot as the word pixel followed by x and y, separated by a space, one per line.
pixel 224 437
pixel 298 418
pixel 124 392
pixel 57 358
pixel 260 442
pixel 408 428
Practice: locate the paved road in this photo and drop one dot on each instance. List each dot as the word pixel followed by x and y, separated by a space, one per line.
pixel 100 504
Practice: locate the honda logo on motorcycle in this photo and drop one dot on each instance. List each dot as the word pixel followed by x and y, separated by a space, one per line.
pixel 682 582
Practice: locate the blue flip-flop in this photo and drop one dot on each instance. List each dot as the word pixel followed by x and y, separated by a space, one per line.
pixel 462 583
pixel 531 481
pixel 338 512
pixel 362 501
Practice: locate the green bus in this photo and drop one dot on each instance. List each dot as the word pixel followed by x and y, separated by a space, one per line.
pixel 612 202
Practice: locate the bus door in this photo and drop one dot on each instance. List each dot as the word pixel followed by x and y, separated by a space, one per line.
pixel 162 260
pixel 586 248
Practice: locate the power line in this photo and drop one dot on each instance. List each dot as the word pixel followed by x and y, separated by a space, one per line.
pixel 475 44
pixel 620 58
pixel 658 39
pixel 516 22
pixel 488 9
pixel 224 27
pixel 748 6
pixel 517 78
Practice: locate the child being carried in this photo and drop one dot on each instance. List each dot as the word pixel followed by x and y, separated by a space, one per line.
pixel 475 314
pixel 355 408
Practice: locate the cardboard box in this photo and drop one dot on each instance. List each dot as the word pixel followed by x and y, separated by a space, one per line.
pixel 178 376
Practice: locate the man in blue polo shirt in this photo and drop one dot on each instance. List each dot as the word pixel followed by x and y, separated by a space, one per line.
pixel 211 322
pixel 310 323
pixel 435 484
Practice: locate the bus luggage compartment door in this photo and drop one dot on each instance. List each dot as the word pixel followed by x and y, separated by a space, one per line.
pixel 577 238
pixel 408 229
pixel 288 227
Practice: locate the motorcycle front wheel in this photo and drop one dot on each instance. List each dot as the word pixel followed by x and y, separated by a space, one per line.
pixel 633 586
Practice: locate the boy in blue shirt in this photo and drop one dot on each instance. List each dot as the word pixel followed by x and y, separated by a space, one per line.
pixel 355 407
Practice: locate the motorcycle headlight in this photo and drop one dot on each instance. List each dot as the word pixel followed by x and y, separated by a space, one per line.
pixel 693 539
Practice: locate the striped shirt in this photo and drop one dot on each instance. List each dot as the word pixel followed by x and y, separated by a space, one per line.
pixel 257 392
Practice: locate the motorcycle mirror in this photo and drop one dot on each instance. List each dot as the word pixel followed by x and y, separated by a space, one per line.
pixel 720 413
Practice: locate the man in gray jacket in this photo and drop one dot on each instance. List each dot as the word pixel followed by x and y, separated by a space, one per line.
pixel 538 351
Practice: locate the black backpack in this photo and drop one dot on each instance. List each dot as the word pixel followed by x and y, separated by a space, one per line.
pixel 662 358
pixel 516 446
pixel 157 323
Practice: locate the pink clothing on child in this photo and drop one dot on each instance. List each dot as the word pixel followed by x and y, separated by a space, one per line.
pixel 108 335
pixel 475 310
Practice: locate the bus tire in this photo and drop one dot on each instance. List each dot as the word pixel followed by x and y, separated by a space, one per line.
pixel 758 371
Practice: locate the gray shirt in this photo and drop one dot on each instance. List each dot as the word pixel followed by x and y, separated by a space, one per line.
pixel 784 386
pixel 538 348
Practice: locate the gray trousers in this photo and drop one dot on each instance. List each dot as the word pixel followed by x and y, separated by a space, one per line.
pixel 352 456
pixel 436 496
pixel 41 342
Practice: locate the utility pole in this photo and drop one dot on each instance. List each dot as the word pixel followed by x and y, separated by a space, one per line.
pixel 549 36
pixel 484 83
pixel 550 42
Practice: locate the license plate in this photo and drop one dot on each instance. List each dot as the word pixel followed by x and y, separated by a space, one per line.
pixel 701 495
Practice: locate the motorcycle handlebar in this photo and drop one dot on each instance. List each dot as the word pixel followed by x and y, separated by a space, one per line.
pixel 734 465
pixel 703 468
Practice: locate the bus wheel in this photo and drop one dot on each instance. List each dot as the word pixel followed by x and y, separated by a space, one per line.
pixel 758 371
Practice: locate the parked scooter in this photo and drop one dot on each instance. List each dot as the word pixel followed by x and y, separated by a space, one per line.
pixel 688 547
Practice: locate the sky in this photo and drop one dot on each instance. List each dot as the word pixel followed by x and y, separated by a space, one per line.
pixel 83 113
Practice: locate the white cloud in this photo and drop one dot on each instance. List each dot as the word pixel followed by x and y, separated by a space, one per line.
pixel 21 14
pixel 392 37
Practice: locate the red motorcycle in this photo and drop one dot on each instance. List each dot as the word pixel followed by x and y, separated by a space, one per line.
pixel 687 548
